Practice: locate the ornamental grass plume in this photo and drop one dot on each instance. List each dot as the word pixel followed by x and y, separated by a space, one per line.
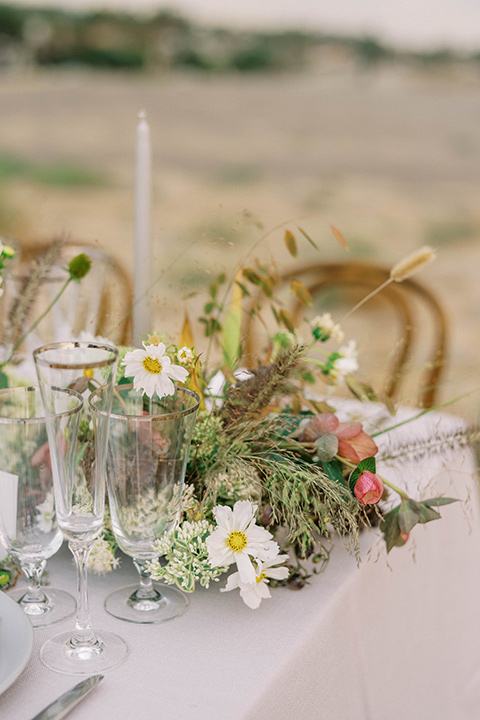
pixel 401 271
pixel 412 263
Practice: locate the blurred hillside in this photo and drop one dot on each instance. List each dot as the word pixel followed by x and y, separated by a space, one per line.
pixel 53 37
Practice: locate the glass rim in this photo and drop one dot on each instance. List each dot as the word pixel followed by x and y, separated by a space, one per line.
pixel 85 344
pixel 39 418
pixel 147 418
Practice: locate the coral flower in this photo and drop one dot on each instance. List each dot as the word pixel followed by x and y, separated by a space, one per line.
pixel 353 443
pixel 368 488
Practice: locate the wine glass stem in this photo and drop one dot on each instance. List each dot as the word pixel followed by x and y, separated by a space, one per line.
pixel 83 634
pixel 146 589
pixel 33 572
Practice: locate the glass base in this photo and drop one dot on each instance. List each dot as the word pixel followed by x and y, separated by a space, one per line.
pixel 58 606
pixel 61 654
pixel 167 603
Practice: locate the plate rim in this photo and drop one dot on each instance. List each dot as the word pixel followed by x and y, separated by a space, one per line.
pixel 14 613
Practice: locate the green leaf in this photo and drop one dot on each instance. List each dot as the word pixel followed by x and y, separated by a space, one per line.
pixel 3 381
pixel 427 514
pixel 367 464
pixel 433 502
pixel 307 237
pixel 232 328
pixel 408 515
pixel 286 319
pixel 291 243
pixel 252 276
pixel 327 447
pixel 266 285
pixel 301 292
pixel 244 290
pixel 333 470
pixel 360 389
pixel 390 528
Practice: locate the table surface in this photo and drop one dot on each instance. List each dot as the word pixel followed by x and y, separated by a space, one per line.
pixel 397 637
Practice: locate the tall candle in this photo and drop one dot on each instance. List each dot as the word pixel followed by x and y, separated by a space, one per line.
pixel 142 311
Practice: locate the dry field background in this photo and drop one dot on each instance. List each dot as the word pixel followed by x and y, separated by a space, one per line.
pixel 392 158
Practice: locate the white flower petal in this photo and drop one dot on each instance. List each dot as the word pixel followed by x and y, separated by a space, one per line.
pixel 244 512
pixel 245 568
pixel 232 582
pixel 177 373
pixel 280 573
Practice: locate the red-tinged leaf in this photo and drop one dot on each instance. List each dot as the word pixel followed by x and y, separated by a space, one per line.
pixel 339 237
pixel 307 237
pixel 291 243
pixel 286 319
pixel 301 292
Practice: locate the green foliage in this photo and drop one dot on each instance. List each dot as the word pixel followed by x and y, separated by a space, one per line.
pixel 404 517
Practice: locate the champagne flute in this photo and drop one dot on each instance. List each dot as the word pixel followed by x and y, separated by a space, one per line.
pixel 28 525
pixel 148 446
pixel 79 482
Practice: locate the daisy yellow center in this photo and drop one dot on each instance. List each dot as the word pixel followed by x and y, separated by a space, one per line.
pixel 152 365
pixel 261 577
pixel 88 372
pixel 237 541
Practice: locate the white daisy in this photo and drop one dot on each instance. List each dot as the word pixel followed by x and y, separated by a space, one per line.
pixel 184 355
pixel 323 327
pixel 237 538
pixel 252 594
pixel 347 363
pixel 152 370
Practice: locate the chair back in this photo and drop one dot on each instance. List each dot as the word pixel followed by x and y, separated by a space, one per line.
pixel 409 310
pixel 99 304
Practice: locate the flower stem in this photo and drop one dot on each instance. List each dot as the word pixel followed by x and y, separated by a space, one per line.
pixel 37 322
pixel 366 298
pixel 402 493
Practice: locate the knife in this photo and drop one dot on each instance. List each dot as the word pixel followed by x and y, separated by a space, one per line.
pixel 60 707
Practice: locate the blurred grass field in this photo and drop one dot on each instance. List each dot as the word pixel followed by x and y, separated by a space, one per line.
pixel 391 157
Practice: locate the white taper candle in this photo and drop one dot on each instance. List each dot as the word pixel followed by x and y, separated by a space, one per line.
pixel 142 311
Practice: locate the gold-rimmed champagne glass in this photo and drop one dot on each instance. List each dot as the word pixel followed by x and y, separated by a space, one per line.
pixel 79 482
pixel 148 446
pixel 28 524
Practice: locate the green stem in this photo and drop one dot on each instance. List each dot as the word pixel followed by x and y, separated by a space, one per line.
pixel 422 413
pixel 37 321
pixel 402 494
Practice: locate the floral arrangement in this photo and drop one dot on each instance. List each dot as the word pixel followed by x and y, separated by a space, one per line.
pixel 272 471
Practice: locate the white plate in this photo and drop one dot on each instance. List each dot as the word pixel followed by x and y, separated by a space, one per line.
pixel 16 641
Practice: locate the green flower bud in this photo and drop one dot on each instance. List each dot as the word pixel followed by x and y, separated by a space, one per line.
pixel 7 251
pixel 79 266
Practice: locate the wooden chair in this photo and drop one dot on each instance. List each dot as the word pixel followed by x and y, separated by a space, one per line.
pixel 412 307
pixel 100 304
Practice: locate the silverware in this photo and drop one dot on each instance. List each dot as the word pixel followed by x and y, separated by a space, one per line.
pixel 60 707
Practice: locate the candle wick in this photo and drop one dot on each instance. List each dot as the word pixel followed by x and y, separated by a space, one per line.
pixel 142 115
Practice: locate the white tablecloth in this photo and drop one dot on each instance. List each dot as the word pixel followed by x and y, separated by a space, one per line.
pixel 397 638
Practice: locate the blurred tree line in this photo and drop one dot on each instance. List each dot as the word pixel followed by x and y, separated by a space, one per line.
pixel 57 37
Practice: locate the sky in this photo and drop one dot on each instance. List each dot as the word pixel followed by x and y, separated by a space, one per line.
pixel 405 23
